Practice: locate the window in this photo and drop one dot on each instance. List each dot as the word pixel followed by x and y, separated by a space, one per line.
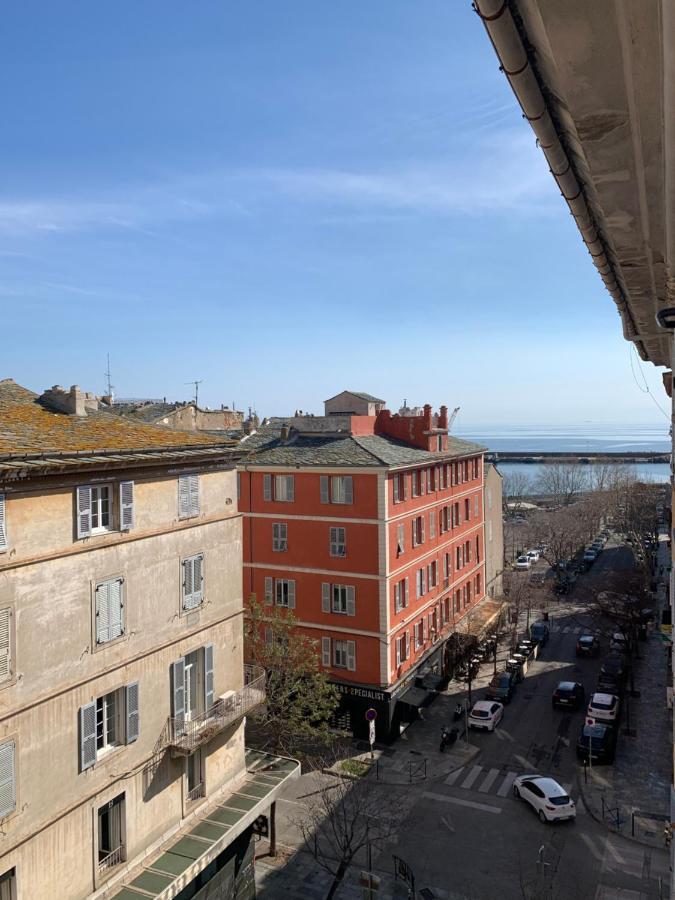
pixel 475 506
pixel 446 569
pixel 192 686
pixel 342 654
pixel 337 489
pixel 477 549
pixel 101 509
pixel 8 885
pixel 109 610
pixel 417 531
pixel 444 520
pixel 6 661
pixel 3 523
pixel 453 474
pixel 399 487
pixel 107 722
pixel 338 598
pixel 285 592
pixel 432 523
pixel 338 541
pixel 432 574
pixel 457 600
pixel 400 539
pixel 416 476
pixel 421 580
pixel 458 561
pixel 468 592
pixel 7 778
pixel 431 479
pixel 402 648
pixel 478 584
pixel 195 779
pixel 467 509
pixel 279 537
pixel 455 515
pixel 111 850
pixel 467 551
pixel 193 581
pixel 465 472
pixel 284 488
pixel 401 595
pixel 188 496
pixel 419 634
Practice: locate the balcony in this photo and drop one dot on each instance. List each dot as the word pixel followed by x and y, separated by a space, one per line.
pixel 184 737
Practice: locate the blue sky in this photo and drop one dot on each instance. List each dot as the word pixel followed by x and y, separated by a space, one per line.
pixel 289 199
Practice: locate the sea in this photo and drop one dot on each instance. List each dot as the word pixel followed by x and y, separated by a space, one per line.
pixel 581 438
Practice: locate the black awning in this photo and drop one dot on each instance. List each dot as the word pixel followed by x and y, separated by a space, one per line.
pixel 416 697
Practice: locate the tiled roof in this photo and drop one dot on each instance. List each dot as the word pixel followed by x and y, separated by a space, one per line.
pixel 27 427
pixel 145 412
pixel 331 424
pixel 266 449
pixel 360 394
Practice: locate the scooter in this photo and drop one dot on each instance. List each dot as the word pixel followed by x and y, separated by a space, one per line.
pixel 448 737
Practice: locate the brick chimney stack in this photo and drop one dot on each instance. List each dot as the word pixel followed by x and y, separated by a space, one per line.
pixel 443 418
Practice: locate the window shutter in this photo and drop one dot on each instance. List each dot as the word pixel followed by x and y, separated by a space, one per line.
pixel 420 474
pixel 333 542
pixel 398 651
pixel 178 692
pixel 407 592
pixel 133 713
pixel 414 532
pixel 351 655
pixel 323 480
pixel 394 485
pixel 291 594
pixel 5 644
pixel 3 523
pixel 424 580
pixel 269 591
pixel 193 481
pixel 102 613
pixel 7 778
pixel 126 505
pixel 87 736
pixel 290 488
pixel 351 601
pixel 275 536
pixel 348 489
pixel 325 651
pixel 198 579
pixel 422 518
pixel 208 677
pixel 83 512
pixel 325 597
pixel 432 523
pixel 115 608
pixel 406 486
pixel 267 487
pixel 183 497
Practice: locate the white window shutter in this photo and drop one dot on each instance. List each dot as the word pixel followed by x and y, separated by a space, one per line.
pixel 398 651
pixel 291 594
pixel 87 736
pixel 116 608
pixel 407 645
pixel 406 485
pixel 3 523
pixel 432 523
pixel 126 505
pixel 395 488
pixel 198 579
pixel 269 591
pixel 133 712
pixel 325 651
pixel 267 487
pixel 83 512
pixel 348 489
pixel 5 644
pixel 290 489
pixel 422 518
pixel 414 532
pixel 407 591
pixel 323 479
pixel 183 497
pixel 351 655
pixel 178 691
pixel 102 613
pixel 7 778
pixel 325 597
pixel 208 677
pixel 194 494
pixel 351 600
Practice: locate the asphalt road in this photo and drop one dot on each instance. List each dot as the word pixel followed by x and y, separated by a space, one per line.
pixel 468 834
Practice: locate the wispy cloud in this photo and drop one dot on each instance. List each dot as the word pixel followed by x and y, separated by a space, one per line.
pixel 500 172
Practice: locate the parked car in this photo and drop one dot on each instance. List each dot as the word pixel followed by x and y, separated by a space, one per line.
pixel 597 742
pixel 609 684
pixel 549 800
pixel 486 714
pixel 618 641
pixel 533 556
pixel 516 667
pixel 526 649
pixel 613 664
pixel 501 687
pixel 590 555
pixel 598 546
pixel 539 633
pixel 603 708
pixel 588 645
pixel 569 694
pixel 523 562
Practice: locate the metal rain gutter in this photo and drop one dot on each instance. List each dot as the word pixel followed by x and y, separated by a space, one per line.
pixel 517 66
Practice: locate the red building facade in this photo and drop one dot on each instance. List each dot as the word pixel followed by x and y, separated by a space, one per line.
pixel 370 528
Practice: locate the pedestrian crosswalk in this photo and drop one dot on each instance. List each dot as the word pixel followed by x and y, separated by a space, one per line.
pixel 566 629
pixel 498 782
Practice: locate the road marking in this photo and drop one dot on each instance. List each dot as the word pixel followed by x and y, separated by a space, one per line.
pixel 442 797
pixel 591 846
pixel 507 784
pixel 487 782
pixel 453 776
pixel 471 777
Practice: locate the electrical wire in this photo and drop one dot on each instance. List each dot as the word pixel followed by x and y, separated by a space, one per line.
pixel 645 389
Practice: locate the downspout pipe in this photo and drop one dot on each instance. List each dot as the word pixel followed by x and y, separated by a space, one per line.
pixel 515 64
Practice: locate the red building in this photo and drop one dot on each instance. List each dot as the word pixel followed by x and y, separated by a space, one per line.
pixel 370 527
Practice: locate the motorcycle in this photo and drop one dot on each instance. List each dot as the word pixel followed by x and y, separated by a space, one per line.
pixel 448 737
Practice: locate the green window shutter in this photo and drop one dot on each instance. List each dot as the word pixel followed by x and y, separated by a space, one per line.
pixel 132 712
pixel 87 736
pixel 83 512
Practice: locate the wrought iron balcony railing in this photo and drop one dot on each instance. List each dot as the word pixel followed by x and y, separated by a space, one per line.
pixel 185 736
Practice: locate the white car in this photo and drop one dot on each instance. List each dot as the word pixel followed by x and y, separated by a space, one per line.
pixel 545 796
pixel 603 708
pixel 533 556
pixel 523 562
pixel 486 714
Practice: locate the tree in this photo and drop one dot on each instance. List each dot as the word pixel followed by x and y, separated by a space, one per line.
pixel 515 488
pixel 349 818
pixel 563 482
pixel 300 701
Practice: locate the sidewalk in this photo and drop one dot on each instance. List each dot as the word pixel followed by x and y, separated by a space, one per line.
pixel 637 786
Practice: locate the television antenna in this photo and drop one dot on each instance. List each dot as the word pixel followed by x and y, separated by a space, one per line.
pixel 196 384
pixel 109 385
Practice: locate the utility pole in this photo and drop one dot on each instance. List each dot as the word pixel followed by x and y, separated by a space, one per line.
pixel 196 384
pixel 109 385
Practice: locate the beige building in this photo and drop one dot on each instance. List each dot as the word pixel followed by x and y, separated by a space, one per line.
pixel 494 531
pixel 354 403
pixel 123 690
pixel 183 416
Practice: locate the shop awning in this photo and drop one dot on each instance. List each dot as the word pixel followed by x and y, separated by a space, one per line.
pixel 416 697
pixel 478 619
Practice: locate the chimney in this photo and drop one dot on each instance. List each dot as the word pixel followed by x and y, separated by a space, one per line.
pixel 284 432
pixel 427 416
pixel 74 402
pixel 443 417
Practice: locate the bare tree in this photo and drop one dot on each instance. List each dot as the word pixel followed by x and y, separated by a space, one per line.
pixel 515 489
pixel 349 819
pixel 563 482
